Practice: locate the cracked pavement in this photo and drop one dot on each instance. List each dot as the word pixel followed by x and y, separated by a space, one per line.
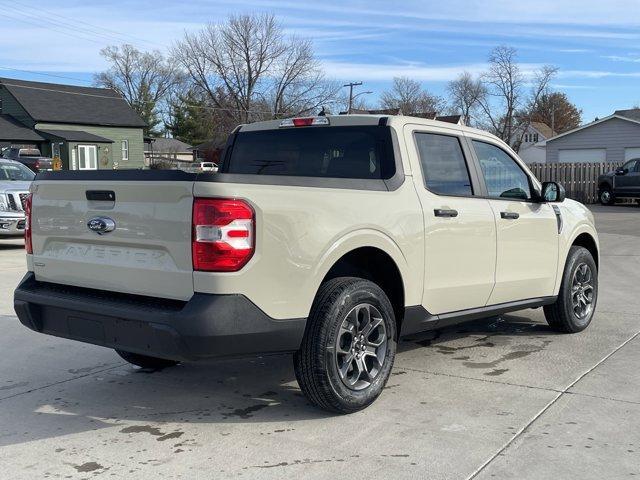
pixel 499 398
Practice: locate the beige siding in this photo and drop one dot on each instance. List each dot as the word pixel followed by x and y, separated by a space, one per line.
pixel 117 134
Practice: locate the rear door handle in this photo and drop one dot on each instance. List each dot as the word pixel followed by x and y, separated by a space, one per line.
pixel 444 212
pixel 509 215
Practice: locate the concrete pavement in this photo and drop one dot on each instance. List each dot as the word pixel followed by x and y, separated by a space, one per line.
pixel 503 398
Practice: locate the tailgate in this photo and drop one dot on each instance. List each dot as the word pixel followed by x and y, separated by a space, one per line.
pixel 147 253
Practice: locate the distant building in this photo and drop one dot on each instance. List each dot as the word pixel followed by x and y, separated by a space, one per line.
pixel 615 138
pixel 532 149
pixel 166 150
pixel 87 128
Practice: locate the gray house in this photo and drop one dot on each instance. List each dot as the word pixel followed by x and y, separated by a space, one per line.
pixel 615 138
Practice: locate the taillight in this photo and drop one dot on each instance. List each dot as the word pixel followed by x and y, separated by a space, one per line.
pixel 223 234
pixel 27 224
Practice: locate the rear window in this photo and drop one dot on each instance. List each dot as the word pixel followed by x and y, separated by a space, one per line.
pixel 29 152
pixel 363 152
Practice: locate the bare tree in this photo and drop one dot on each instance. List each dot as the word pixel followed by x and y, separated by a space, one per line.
pixel 263 73
pixel 507 97
pixel 144 79
pixel 409 96
pixel 465 94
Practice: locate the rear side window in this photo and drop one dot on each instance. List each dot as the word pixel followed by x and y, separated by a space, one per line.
pixel 363 152
pixel 443 165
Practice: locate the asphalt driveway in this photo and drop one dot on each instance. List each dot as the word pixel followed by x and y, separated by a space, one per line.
pixel 502 398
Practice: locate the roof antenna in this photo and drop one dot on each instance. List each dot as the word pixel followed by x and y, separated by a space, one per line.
pixel 322 113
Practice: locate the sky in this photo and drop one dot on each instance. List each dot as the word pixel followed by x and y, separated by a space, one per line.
pixel 594 44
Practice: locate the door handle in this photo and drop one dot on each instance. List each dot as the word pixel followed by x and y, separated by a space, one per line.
pixel 444 212
pixel 509 215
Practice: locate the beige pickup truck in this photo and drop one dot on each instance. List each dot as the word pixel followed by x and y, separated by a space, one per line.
pixel 327 237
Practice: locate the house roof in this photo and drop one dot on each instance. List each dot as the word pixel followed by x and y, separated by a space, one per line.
pixel 544 129
pixel 605 119
pixel 55 103
pixel 12 130
pixel 169 145
pixel 632 113
pixel 76 136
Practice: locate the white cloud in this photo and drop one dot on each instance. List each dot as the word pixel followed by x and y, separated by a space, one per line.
pixel 631 58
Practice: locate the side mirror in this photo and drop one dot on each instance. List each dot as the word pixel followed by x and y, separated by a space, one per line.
pixel 622 171
pixel 552 192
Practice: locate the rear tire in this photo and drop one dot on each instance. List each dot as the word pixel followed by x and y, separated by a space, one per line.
pixel 349 345
pixel 606 196
pixel 576 303
pixel 146 362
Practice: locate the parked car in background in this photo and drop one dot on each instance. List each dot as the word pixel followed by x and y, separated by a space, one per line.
pixel 621 183
pixel 15 180
pixel 31 157
pixel 206 167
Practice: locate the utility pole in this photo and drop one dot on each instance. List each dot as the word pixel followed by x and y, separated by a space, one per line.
pixel 351 85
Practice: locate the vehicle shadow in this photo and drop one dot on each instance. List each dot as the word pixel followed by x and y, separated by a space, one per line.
pixel 11 244
pixel 219 393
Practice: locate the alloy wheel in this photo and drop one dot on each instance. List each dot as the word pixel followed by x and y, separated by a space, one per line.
pixel 582 291
pixel 361 346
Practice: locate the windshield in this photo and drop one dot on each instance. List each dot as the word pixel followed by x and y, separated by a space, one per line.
pixel 363 152
pixel 16 172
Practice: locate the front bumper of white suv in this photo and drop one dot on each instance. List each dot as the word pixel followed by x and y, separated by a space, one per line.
pixel 11 224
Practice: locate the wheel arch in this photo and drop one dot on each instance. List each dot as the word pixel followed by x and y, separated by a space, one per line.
pixel 586 240
pixel 375 256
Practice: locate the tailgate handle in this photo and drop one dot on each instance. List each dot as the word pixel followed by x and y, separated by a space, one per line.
pixel 101 195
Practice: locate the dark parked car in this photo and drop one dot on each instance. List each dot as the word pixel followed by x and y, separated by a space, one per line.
pixel 30 157
pixel 621 183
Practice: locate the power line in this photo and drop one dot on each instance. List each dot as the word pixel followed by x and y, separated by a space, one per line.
pixel 67 22
pixel 47 27
pixel 33 72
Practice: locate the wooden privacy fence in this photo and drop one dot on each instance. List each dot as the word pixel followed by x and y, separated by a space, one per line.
pixel 580 180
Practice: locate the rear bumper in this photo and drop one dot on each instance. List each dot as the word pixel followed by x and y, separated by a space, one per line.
pixel 206 326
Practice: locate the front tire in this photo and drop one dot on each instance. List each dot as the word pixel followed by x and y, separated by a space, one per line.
pixel 606 196
pixel 145 361
pixel 349 346
pixel 576 303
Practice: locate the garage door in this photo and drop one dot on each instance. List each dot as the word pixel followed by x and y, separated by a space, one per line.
pixel 580 155
pixel 631 153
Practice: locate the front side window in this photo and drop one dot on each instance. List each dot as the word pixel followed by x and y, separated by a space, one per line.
pixel 125 150
pixel 443 165
pixel 502 175
pixel 630 166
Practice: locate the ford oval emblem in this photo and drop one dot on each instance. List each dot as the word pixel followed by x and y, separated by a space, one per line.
pixel 101 225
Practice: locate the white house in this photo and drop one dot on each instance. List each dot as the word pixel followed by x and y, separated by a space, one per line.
pixel 533 146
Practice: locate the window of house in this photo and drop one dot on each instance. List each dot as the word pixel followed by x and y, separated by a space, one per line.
pixel 502 175
pixel 535 137
pixel 443 165
pixel 125 150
